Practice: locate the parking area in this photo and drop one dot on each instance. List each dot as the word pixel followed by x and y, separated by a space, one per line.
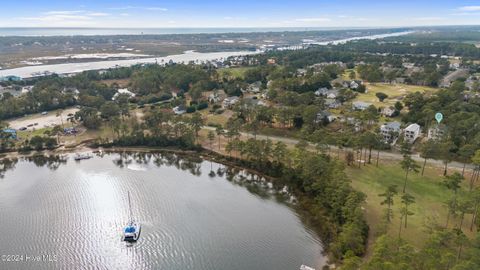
pixel 42 120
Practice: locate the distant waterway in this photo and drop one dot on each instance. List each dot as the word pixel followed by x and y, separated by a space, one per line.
pixel 70 215
pixel 33 71
pixel 68 68
pixel 68 31
pixel 345 40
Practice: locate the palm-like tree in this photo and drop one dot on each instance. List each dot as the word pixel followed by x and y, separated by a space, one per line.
pixel 408 165
pixel 60 114
pixel 452 182
pixel 407 199
pixel 219 130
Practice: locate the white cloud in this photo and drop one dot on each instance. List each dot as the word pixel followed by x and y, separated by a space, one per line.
pixel 63 18
pixel 469 8
pixel 313 20
pixel 64 12
pixel 466 14
pixel 56 18
pixel 123 8
pixel 156 8
pixel 429 19
pixel 144 8
pixel 98 14
pixel 364 19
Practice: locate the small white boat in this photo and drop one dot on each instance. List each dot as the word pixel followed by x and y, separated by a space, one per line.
pixel 131 232
pixel 82 156
pixel 304 267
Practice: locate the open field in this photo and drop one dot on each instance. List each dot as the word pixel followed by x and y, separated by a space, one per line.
pixel 216 119
pixel 430 196
pixel 395 92
pixel 28 134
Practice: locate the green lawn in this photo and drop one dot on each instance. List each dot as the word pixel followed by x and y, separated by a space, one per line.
pixel 429 194
pixel 395 93
pixel 28 134
pixel 217 119
pixel 346 74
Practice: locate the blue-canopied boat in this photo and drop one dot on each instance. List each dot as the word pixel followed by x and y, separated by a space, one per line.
pixel 131 232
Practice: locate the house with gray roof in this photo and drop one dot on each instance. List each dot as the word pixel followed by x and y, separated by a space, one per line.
pixel 390 131
pixel 360 105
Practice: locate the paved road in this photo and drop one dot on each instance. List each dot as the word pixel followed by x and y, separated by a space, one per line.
pixel 384 155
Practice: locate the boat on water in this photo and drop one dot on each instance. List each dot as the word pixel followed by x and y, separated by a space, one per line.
pixel 82 156
pixel 304 267
pixel 131 232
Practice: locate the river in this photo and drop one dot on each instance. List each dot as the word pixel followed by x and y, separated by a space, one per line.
pixel 68 68
pixel 57 213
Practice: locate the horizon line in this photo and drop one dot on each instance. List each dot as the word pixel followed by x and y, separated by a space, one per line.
pixel 239 27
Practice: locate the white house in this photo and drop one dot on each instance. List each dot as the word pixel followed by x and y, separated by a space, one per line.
pixel 230 101
pixel 333 93
pixel 254 87
pixel 388 111
pixel 301 72
pixel 354 85
pixel 325 115
pixel 470 83
pixel 28 88
pixel 213 98
pixel 360 105
pixel 332 103
pixel 390 131
pixel 437 133
pixel 412 132
pixel 328 93
pixel 123 91
pixel 321 92
pixel 179 110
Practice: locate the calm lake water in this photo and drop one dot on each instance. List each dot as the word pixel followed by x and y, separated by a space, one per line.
pixel 69 215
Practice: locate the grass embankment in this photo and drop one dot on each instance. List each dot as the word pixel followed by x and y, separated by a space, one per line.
pixel 430 197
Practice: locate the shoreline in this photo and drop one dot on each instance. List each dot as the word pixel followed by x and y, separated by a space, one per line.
pixel 202 153
pixel 303 206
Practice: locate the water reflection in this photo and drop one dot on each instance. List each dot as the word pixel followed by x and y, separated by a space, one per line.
pixel 257 185
pixel 7 164
pixel 52 162
pixel 254 183
pixel 192 219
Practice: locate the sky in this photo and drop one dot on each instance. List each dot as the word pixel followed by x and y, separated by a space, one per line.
pixel 236 13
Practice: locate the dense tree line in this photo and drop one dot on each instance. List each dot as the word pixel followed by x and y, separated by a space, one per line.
pixel 320 180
